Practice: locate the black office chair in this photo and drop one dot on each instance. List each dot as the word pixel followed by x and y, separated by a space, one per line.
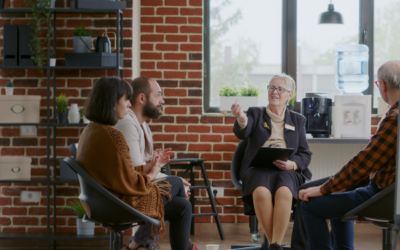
pixel 103 207
pixel 379 211
pixel 73 148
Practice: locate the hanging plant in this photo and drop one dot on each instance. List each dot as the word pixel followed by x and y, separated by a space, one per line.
pixel 38 20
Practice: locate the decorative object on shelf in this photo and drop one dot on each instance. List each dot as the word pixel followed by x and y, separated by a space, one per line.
pixel 245 96
pixel 103 43
pixel 73 114
pixel 62 105
pixel 53 59
pixel 15 168
pixel 85 120
pixel 20 109
pixel 10 51
pixel 292 101
pixel 9 88
pixel 83 228
pixel 93 59
pixel 39 19
pixel 25 41
pixel 88 4
pixel 82 40
pixel 331 16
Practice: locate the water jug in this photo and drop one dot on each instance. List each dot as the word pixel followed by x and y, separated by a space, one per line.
pixel 352 68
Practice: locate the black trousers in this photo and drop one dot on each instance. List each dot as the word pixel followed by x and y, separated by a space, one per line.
pixel 178 211
pixel 299 235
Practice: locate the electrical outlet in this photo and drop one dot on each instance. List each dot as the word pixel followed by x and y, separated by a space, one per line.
pixel 220 191
pixel 28 130
pixel 30 196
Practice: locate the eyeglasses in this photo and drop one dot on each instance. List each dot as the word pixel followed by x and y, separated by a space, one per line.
pixel 280 90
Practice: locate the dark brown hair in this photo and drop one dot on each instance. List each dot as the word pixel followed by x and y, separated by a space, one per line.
pixel 102 100
pixel 140 85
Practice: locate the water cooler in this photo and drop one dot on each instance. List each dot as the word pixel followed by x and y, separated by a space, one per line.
pixel 352 79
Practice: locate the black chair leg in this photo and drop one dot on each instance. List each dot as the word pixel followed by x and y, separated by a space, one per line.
pixel 253 224
pixel 111 240
pixel 386 239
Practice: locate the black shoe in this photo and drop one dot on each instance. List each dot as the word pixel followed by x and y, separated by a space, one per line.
pixel 265 245
pixel 275 246
pixel 153 246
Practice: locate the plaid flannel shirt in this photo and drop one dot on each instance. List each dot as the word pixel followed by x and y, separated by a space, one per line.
pixel 377 162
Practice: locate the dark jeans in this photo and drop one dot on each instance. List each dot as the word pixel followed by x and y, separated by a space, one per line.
pixel 317 210
pixel 178 211
pixel 299 235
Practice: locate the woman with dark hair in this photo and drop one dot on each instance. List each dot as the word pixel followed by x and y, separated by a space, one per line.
pixel 104 154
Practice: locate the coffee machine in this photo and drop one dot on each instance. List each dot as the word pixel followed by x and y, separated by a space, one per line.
pixel 317 111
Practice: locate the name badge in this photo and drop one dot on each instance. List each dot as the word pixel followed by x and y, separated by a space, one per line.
pixel 290 127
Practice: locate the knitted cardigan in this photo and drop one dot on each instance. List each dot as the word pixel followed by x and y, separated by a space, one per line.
pixel 104 154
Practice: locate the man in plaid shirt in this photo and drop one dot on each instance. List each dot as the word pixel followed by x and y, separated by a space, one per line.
pixel 370 171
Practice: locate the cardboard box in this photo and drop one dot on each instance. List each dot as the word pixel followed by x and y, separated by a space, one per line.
pixel 15 168
pixel 20 108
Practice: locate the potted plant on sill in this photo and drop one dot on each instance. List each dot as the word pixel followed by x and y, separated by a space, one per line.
pixel 62 105
pixel 82 40
pixel 9 88
pixel 292 101
pixel 82 228
pixel 245 96
pixel 53 59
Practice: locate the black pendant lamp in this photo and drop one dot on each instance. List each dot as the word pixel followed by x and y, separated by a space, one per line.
pixel 331 16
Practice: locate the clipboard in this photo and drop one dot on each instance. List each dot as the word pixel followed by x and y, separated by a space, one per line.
pixel 266 155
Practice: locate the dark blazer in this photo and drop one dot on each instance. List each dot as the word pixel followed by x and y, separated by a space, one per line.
pixel 258 134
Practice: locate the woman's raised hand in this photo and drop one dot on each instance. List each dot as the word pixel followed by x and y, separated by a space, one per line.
pixel 155 169
pixel 164 155
pixel 238 112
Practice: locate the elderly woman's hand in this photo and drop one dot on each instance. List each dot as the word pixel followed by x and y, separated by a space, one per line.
pixel 238 112
pixel 284 165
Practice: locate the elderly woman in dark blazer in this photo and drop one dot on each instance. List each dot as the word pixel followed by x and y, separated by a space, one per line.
pixel 268 191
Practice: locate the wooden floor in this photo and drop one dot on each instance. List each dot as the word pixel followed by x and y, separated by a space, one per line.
pixel 367 237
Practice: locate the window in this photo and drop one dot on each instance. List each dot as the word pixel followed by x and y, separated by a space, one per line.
pixel 316 44
pixel 386 36
pixel 245 42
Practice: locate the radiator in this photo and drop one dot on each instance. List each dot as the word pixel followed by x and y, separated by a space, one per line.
pixel 327 159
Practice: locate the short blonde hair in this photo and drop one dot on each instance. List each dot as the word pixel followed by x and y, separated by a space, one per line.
pixel 290 84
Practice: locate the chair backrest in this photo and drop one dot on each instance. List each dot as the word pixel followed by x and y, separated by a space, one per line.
pixel 73 149
pixel 105 208
pixel 379 208
pixel 236 164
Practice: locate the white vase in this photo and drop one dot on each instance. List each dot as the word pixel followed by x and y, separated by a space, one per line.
pixel 73 114
pixel 9 90
pixel 84 228
pixel 85 120
pixel 53 62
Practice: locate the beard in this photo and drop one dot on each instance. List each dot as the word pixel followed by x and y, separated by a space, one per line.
pixel 151 111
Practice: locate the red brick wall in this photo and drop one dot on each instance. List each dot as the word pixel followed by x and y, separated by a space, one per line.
pixel 171 52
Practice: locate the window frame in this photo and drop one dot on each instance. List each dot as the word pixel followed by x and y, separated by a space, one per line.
pixel 289 47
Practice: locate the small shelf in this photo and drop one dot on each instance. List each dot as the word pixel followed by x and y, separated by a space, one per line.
pixel 46 124
pixel 58 180
pixel 332 140
pixel 23 236
pixel 60 67
pixel 63 11
pixel 32 180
